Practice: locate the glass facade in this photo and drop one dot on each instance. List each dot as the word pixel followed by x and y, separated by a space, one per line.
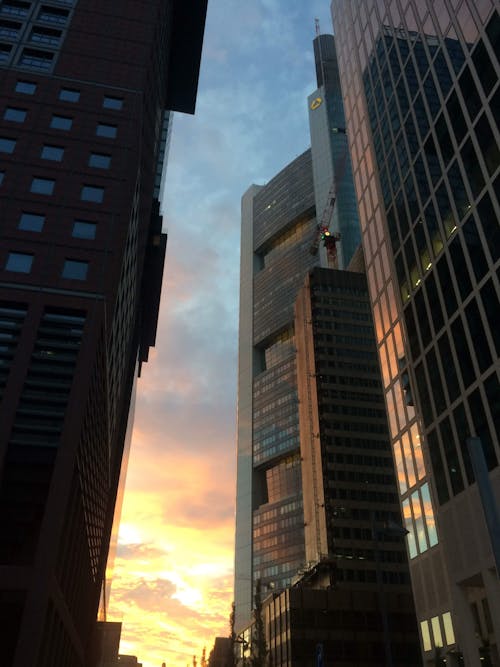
pixel 278 227
pixel 330 151
pixel 420 82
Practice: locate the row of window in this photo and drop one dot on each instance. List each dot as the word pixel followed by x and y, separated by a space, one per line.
pixel 19 262
pixel 33 24
pixel 68 94
pixel 58 122
pixel 34 222
pixel 56 153
pixel 45 13
pixel 45 186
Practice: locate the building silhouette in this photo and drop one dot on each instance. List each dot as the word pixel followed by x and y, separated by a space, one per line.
pixel 420 82
pixel 87 95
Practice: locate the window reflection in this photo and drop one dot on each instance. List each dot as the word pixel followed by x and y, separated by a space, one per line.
pixel 412 545
pixel 417 451
pixel 400 471
pixel 429 514
pixel 391 413
pixel 419 521
pixel 410 467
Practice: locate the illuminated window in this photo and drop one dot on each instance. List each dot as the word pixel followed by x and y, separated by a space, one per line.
pixel 426 637
pixel 436 631
pixel 448 629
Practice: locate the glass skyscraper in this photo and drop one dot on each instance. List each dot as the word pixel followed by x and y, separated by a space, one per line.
pixel 278 228
pixel 330 151
pixel 421 94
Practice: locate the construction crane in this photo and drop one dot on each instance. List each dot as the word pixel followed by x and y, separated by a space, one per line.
pixel 323 233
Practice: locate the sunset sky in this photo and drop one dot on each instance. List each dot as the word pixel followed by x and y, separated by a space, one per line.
pixel 173 578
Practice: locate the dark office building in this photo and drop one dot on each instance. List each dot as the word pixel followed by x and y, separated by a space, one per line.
pixel 421 94
pixel 352 523
pixel 87 89
pixel 352 594
pixel 339 627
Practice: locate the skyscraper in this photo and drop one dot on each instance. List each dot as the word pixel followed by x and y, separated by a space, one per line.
pixel 330 152
pixel 302 427
pixel 87 91
pixel 279 227
pixel 420 82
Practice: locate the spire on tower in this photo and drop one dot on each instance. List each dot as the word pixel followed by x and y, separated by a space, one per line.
pixel 316 25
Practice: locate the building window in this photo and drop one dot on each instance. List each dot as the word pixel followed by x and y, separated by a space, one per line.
pixel 115 103
pixel 42 186
pixel 7 145
pixel 5 50
pixel 61 122
pixel 54 153
pixel 84 230
pixel 15 115
pixel 9 29
pixel 108 131
pixel 69 95
pixel 92 193
pixel 26 87
pixel 31 222
pixel 19 262
pixel 75 269
pixel 45 36
pixel 2 175
pixel 53 15
pixel 35 59
pixel 15 8
pixel 99 161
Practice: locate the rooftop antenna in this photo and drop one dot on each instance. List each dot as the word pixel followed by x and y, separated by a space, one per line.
pixel 316 25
